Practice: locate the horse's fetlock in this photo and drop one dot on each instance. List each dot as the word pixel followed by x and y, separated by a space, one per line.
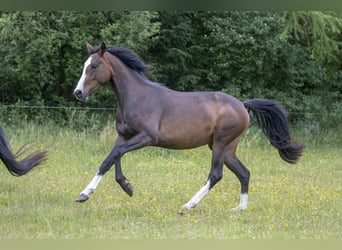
pixel 120 179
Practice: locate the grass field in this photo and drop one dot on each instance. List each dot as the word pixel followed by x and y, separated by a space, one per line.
pixel 300 201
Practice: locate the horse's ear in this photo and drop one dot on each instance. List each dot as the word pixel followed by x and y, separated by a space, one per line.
pixel 89 48
pixel 102 48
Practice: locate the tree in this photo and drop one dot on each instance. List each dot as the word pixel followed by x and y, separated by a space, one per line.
pixel 132 29
pixel 170 51
pixel 320 32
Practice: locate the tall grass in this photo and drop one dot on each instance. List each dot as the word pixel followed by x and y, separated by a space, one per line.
pixel 286 201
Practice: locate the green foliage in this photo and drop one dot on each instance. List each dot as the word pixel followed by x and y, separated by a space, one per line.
pixel 292 57
pixel 170 51
pixel 318 31
pixel 132 29
pixel 319 34
pixel 244 52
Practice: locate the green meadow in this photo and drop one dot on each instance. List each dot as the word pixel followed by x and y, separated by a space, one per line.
pixel 300 201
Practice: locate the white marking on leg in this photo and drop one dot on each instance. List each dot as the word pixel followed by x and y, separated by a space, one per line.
pixel 80 84
pixel 198 196
pixel 92 185
pixel 243 202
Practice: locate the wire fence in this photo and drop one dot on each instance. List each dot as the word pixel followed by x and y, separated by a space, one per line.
pixel 55 107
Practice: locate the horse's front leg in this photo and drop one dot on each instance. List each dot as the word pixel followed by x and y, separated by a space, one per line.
pixel 105 166
pixel 121 147
pixel 136 142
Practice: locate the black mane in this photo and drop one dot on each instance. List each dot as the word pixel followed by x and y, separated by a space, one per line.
pixel 128 57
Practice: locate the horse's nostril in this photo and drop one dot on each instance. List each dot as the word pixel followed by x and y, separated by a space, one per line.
pixel 78 94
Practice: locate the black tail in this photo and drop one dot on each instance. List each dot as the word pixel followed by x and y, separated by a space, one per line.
pixel 18 168
pixel 274 124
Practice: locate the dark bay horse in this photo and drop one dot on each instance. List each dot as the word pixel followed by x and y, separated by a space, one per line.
pixel 149 114
pixel 15 167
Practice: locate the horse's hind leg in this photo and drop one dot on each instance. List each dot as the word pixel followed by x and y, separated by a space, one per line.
pixel 241 172
pixel 215 176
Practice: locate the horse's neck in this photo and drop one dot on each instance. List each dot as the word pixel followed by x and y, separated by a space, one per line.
pixel 128 84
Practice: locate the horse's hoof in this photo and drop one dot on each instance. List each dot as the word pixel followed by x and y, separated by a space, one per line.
pixel 238 208
pixel 129 189
pixel 183 211
pixel 82 198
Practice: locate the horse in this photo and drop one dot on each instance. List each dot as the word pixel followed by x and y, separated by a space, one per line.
pixel 22 167
pixel 150 114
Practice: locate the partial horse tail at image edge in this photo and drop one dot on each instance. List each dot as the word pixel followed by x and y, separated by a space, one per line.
pixel 274 124
pixel 15 167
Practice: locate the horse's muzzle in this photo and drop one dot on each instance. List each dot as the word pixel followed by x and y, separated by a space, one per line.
pixel 79 95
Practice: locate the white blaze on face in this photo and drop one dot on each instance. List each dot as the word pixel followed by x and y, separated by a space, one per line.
pixel 80 84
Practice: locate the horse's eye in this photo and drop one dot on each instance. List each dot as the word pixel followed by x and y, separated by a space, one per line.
pixel 94 66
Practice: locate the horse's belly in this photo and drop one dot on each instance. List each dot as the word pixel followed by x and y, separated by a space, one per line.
pixel 181 144
pixel 185 137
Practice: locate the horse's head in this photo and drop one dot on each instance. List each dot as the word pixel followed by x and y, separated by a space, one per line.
pixel 96 73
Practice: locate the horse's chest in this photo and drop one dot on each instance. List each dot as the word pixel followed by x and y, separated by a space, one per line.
pixel 124 129
pixel 128 124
